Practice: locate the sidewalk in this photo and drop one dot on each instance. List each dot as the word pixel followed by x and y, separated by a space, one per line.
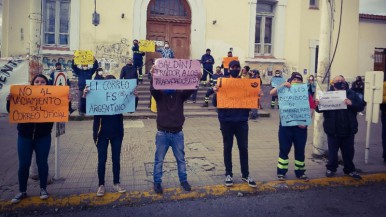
pixel 204 155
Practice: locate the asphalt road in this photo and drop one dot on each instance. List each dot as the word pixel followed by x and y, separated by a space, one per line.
pixel 342 201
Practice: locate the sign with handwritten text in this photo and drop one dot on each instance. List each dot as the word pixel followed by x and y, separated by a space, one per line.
pixel 182 74
pixel 36 104
pixel 146 46
pixel 238 93
pixel 332 100
pixel 277 81
pixel 227 60
pixel 83 57
pixel 294 105
pixel 110 97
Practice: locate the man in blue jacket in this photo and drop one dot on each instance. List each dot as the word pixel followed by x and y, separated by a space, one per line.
pixel 234 122
pixel 207 62
pixel 138 59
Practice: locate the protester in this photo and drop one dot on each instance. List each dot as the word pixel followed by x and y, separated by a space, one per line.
pixel 138 59
pixel 170 119
pixel 341 126
pixel 108 129
pixel 358 86
pixel 33 137
pixel 226 73
pixel 84 72
pixel 207 62
pixel 255 112
pixel 234 122
pixel 130 72
pixel 210 91
pixel 99 74
pixel 311 85
pixel 166 51
pixel 274 97
pixel 288 135
pixel 245 72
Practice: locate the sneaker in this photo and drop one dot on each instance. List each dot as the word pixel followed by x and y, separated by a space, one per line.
pixel 118 188
pixel 43 194
pixel 185 185
pixel 304 178
pixel 19 197
pixel 228 181
pixel 329 173
pixel 280 177
pixel 250 181
pixel 355 175
pixel 158 188
pixel 101 191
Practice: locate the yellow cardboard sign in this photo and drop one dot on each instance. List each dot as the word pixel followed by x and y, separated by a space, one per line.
pixel 83 57
pixel 36 104
pixel 227 60
pixel 238 93
pixel 146 46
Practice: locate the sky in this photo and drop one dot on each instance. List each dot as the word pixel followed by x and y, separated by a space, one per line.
pixel 372 7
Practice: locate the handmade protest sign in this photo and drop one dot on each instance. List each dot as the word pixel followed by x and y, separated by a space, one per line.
pixel 36 104
pixel 294 105
pixel 227 60
pixel 146 46
pixel 238 93
pixel 332 100
pixel 181 74
pixel 83 57
pixel 110 97
pixel 277 81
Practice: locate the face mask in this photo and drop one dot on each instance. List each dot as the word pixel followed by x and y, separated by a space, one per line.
pixel 340 85
pixel 169 92
pixel 100 72
pixel 234 72
pixel 130 64
pixel 166 45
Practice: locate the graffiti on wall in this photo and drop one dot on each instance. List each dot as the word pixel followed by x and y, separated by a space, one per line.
pixel 113 56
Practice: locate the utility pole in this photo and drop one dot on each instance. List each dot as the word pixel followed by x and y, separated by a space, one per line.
pixel 319 139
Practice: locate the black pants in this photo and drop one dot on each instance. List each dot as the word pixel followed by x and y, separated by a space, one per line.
pixel 205 73
pixel 383 116
pixel 138 66
pixel 346 146
pixel 240 130
pixel 102 145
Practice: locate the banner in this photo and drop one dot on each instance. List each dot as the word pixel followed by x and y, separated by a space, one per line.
pixel 36 104
pixel 11 72
pixel 277 81
pixel 227 60
pixel 238 93
pixel 332 100
pixel 146 46
pixel 83 57
pixel 181 74
pixel 110 97
pixel 294 105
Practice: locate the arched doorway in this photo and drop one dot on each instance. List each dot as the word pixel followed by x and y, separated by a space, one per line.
pixel 169 20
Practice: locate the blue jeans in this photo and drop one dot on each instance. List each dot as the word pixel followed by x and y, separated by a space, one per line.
pixel 25 148
pixel 162 141
pixel 102 145
pixel 240 130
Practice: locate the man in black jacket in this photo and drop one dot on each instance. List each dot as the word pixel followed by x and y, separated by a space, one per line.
pixel 138 59
pixel 130 72
pixel 341 126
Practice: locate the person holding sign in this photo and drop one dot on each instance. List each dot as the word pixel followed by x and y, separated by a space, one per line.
pixel 107 129
pixel 341 125
pixel 138 59
pixel 170 119
pixel 166 51
pixel 234 122
pixel 225 65
pixel 276 80
pixel 292 134
pixel 129 72
pixel 33 137
pixel 84 72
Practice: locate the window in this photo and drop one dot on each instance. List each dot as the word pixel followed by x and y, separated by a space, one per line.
pixel 168 8
pixel 56 22
pixel 314 4
pixel 263 31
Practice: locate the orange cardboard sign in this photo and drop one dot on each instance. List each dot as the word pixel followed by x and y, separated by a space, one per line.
pixel 227 60
pixel 238 93
pixel 36 104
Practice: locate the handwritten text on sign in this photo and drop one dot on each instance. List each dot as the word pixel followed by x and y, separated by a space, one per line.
pixel 332 100
pixel 179 74
pixel 36 104
pixel 277 81
pixel 294 105
pixel 146 46
pixel 238 93
pixel 110 97
pixel 83 57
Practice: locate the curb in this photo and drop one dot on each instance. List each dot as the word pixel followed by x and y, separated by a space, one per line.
pixel 176 194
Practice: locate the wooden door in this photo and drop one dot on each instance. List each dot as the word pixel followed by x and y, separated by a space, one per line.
pixel 380 61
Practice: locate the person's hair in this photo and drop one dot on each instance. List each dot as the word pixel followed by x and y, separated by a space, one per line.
pixel 166 42
pixel 311 76
pixel 39 76
pixel 109 77
pixel 247 68
pixel 99 69
pixel 135 40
